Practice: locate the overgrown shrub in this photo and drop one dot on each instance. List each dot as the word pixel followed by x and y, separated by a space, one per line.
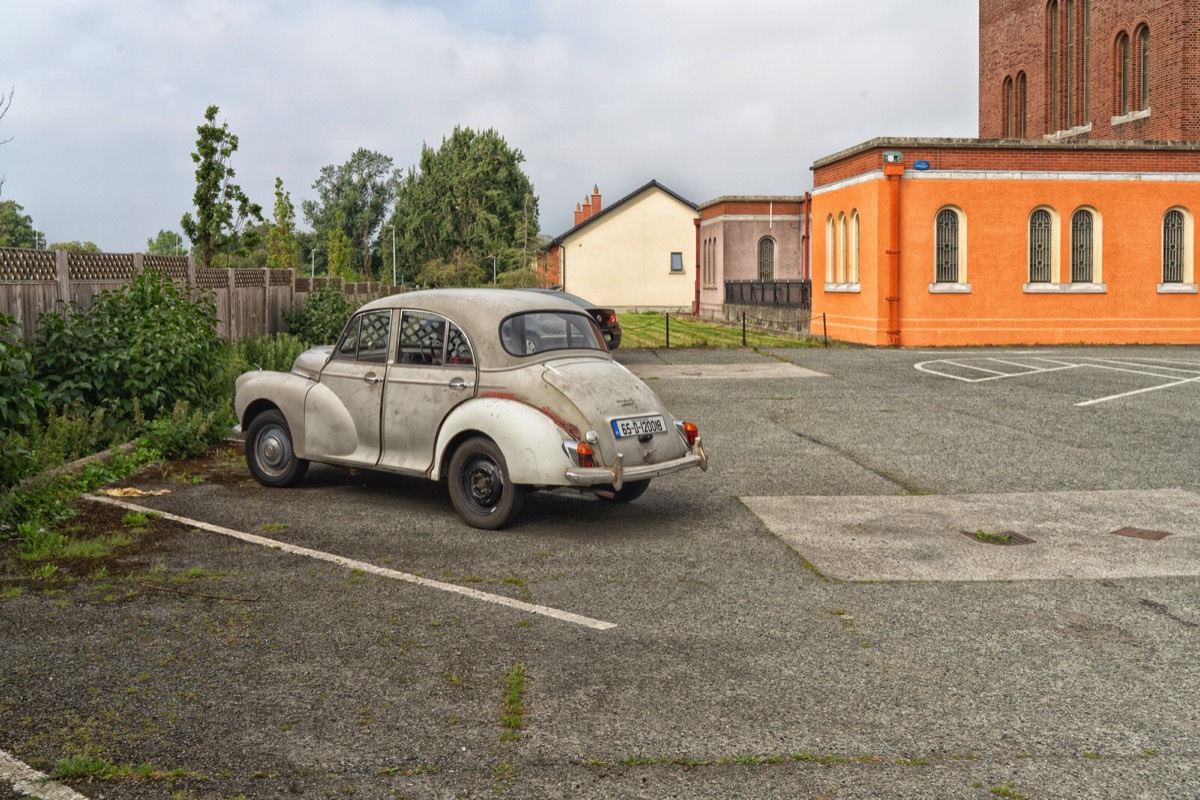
pixel 150 342
pixel 20 392
pixel 64 435
pixel 321 318
pixel 269 352
pixel 185 433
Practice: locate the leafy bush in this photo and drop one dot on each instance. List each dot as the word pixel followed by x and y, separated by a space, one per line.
pixel 186 433
pixel 321 318
pixel 64 435
pixel 150 342
pixel 20 393
pixel 269 352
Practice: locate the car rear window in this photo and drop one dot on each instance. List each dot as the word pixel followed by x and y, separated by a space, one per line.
pixel 542 331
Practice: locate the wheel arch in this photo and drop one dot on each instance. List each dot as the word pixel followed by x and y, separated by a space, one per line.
pixel 530 440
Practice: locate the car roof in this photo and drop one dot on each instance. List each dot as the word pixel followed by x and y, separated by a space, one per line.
pixel 479 313
pixel 574 298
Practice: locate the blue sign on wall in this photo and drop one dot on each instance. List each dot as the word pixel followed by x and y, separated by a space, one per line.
pixel 920 165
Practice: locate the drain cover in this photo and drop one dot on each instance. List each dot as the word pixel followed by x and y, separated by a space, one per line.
pixel 1003 538
pixel 1142 533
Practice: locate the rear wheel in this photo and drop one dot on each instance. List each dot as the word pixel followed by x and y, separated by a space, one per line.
pixel 480 488
pixel 629 491
pixel 269 452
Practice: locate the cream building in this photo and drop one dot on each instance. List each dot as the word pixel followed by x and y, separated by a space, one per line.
pixel 639 253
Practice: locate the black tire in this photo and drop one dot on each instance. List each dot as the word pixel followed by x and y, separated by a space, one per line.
pixel 629 491
pixel 269 451
pixel 481 490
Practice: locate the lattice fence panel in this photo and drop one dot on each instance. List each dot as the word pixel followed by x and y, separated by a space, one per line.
pixel 27 265
pixel 100 266
pixel 212 278
pixel 174 267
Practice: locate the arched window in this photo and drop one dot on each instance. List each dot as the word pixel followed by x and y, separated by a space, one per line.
pixel 766 259
pixel 1143 36
pixel 1009 114
pixel 1022 111
pixel 1085 62
pixel 853 276
pixel 1041 246
pixel 1052 67
pixel 1082 246
pixel 1122 73
pixel 1174 247
pixel 841 248
pixel 946 247
pixel 830 242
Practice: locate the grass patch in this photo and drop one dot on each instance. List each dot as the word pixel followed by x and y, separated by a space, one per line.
pixel 649 329
pixel 512 712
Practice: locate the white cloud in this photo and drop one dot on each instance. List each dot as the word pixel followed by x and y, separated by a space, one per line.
pixel 710 98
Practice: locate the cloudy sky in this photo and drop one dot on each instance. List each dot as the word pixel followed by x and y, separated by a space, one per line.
pixel 709 97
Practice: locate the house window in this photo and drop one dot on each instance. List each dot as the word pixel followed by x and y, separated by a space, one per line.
pixel 829 247
pixel 1174 247
pixel 1082 246
pixel 1009 112
pixel 1144 71
pixel 1123 76
pixel 766 260
pixel 854 238
pixel 946 248
pixel 1052 100
pixel 1041 246
pixel 1022 114
pixel 676 262
pixel 841 248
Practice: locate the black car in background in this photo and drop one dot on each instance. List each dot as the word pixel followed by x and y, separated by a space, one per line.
pixel 606 318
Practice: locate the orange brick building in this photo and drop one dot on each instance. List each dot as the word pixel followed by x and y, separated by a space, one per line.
pixel 1062 235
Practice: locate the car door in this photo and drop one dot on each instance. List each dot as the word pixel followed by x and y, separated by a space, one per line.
pixel 342 414
pixel 434 371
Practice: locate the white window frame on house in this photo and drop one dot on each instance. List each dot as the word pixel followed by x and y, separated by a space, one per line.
pixel 1183 251
pixel 829 245
pixel 853 271
pixel 958 249
pixel 1051 241
pixel 677 263
pixel 1087 238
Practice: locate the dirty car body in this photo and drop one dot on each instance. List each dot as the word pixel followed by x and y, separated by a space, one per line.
pixel 497 392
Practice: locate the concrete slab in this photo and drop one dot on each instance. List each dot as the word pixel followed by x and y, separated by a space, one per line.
pixel 763 370
pixel 919 538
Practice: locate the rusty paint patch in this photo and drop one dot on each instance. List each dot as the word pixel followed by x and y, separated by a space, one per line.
pixel 1142 533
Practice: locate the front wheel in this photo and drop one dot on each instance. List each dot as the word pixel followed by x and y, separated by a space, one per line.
pixel 629 491
pixel 480 488
pixel 269 452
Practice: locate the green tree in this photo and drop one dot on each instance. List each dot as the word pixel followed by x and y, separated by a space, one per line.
pixel 360 191
pixel 222 208
pixel 16 227
pixel 166 243
pixel 470 194
pixel 283 251
pixel 461 269
pixel 337 249
pixel 75 247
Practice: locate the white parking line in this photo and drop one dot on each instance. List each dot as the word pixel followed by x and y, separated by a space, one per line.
pixel 27 780
pixel 1150 367
pixel 474 594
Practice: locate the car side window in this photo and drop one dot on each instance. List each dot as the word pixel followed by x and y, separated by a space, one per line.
pixel 422 339
pixel 366 339
pixel 458 349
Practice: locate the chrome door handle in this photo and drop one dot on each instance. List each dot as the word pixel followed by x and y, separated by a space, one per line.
pixel 372 378
pixel 459 383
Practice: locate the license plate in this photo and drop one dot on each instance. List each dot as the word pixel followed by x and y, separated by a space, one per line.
pixel 638 426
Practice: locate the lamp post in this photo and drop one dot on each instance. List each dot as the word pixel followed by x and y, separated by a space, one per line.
pixel 494 270
pixel 313 254
pixel 393 227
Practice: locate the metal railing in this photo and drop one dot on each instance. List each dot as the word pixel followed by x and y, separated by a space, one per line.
pixel 785 294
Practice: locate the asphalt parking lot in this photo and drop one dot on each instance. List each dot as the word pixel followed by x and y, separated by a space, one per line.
pixel 815 616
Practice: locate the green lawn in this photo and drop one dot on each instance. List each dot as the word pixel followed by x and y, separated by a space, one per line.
pixel 649 329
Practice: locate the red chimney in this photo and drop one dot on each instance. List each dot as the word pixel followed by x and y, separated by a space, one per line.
pixel 578 214
pixel 595 200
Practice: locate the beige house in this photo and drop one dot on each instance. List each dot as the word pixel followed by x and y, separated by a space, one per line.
pixel 638 253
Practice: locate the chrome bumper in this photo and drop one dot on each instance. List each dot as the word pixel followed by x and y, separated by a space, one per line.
pixel 618 474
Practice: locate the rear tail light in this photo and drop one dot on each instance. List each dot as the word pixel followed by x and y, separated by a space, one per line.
pixel 691 432
pixel 586 454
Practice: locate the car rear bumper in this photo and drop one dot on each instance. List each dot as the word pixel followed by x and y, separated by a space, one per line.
pixel 619 474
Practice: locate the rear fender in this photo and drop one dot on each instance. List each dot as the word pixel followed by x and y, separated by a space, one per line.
pixel 531 441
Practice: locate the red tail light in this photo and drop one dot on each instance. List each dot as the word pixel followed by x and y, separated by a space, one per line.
pixel 585 452
pixel 691 432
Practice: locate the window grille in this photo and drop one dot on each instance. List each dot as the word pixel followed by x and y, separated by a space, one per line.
pixel 1173 247
pixel 766 260
pixel 1040 251
pixel 947 247
pixel 1081 247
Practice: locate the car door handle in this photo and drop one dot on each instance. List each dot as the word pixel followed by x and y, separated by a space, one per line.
pixel 373 378
pixel 459 383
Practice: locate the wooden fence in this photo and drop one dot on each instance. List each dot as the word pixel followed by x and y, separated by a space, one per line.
pixel 248 301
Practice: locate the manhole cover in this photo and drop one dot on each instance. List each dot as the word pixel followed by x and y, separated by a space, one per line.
pixel 1002 538
pixel 1142 533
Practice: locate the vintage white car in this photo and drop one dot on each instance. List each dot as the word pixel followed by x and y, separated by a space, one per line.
pixel 498 392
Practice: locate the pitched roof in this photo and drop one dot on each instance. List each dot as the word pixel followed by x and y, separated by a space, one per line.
pixel 653 184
